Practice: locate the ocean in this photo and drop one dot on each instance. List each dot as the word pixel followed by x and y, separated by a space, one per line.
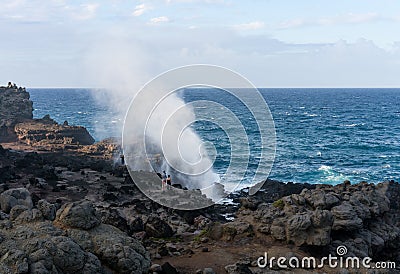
pixel 323 135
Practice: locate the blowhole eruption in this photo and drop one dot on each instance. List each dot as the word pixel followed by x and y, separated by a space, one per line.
pixel 169 142
pixel 158 135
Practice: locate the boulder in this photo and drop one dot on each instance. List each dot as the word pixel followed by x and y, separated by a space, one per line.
pixel 167 268
pixel 78 215
pixel 158 228
pixel 345 218
pixel 238 268
pixel 48 210
pixel 115 249
pixel 13 197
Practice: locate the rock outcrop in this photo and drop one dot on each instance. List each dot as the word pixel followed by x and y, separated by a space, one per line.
pixel 15 107
pixel 77 242
pixel 45 131
pixel 358 216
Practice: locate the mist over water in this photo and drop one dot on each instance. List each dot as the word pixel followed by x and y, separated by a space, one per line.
pixel 122 71
pixel 170 143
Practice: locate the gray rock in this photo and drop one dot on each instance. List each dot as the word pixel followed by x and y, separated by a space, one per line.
pixel 16 211
pixel 67 255
pixel 168 268
pixel 238 268
pixel 156 268
pixel 296 228
pixel 158 228
pixel 13 197
pixel 278 229
pixel 345 218
pixel 14 261
pixel 38 246
pixel 48 210
pixel 112 245
pixel 28 216
pixel 208 270
pixel 78 215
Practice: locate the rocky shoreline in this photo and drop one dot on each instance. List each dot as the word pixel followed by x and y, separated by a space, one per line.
pixel 90 210
pixel 66 206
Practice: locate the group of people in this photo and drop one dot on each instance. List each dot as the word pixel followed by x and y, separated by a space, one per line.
pixel 166 181
pixel 11 85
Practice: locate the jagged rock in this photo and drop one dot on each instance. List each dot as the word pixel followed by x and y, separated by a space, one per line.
pixel 136 225
pixel 45 131
pixel 107 147
pixel 112 245
pixel 249 203
pixel 296 228
pixel 157 228
pixel 167 268
pixel 33 244
pixel 215 231
pixel 238 268
pixel 278 229
pixel 78 215
pixel 208 270
pixel 40 248
pixel 15 107
pixel 345 218
pixel 201 222
pixel 113 217
pixel 21 214
pixel 48 210
pixel 13 197
pixel 16 211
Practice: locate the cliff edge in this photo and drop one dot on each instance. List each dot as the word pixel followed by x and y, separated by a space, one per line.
pixel 15 107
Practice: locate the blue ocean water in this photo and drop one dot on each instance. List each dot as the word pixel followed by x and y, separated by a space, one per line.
pixel 323 135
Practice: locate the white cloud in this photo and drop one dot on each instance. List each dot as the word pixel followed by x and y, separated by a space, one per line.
pixel 140 9
pixel 294 23
pixel 85 11
pixel 47 11
pixel 250 26
pixel 161 19
pixel 349 18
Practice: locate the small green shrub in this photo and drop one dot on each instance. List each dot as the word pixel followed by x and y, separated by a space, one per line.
pixel 200 235
pixel 279 204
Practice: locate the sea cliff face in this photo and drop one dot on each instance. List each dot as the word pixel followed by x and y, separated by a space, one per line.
pixel 15 107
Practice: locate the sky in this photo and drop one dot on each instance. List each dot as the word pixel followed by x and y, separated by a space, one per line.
pixel 273 43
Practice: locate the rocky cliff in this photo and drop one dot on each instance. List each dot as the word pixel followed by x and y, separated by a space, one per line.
pixel 17 123
pixel 15 107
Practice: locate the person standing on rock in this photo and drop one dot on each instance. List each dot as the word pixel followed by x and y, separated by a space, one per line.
pixel 164 180
pixel 169 182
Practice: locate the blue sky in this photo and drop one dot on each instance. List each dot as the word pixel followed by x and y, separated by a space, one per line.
pixel 274 43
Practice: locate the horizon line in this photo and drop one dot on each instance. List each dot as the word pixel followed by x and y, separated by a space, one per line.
pixel 274 87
